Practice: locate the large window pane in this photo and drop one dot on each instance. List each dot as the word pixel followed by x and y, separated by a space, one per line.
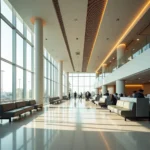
pixel 29 83
pixel 19 81
pixel 6 81
pixel 6 41
pixel 29 35
pixel 29 57
pixel 45 68
pixel 6 10
pixel 19 51
pixel 81 82
pixel 87 81
pixel 75 81
pixel 19 23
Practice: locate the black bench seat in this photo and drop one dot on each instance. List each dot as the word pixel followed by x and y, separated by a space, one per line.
pixel 9 110
pixel 34 105
pixel 54 100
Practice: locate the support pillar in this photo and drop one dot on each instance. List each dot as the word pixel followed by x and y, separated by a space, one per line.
pixel 104 89
pixel 61 79
pixel 120 54
pixel 67 83
pixel 38 30
pixel 120 87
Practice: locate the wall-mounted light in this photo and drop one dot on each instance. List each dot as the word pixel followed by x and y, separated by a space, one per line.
pixel 137 39
pixel 134 85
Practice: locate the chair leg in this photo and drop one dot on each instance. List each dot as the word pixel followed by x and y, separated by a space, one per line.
pixel 125 118
pixel 30 112
pixel 9 120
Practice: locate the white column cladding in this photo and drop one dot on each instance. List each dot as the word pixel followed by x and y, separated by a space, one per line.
pixel 67 83
pixel 120 86
pixel 97 89
pixel 38 30
pixel 120 53
pixel 104 89
pixel 61 79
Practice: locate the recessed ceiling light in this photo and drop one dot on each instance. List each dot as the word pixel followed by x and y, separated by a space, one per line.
pixel 75 19
pixel 117 19
pixel 77 38
pixel 113 57
pixel 133 49
pixel 46 39
pixel 139 78
pixel 107 38
pixel 137 39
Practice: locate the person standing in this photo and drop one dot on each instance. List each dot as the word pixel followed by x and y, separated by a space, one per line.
pixel 81 95
pixel 75 95
pixel 139 94
pixel 134 93
pixel 69 95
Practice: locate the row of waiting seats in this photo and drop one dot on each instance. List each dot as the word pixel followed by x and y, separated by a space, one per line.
pixel 126 107
pixel 9 110
pixel 57 100
pixel 102 101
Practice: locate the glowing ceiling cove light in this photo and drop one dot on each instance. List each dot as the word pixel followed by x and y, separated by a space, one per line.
pixel 129 28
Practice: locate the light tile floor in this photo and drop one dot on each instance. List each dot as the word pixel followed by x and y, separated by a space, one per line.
pixel 74 125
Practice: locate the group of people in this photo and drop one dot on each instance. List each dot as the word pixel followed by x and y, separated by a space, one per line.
pixel 138 94
pixel 87 95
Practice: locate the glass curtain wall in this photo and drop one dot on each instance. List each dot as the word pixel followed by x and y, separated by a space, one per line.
pixel 16 55
pixel 50 77
pixel 82 82
pixel 64 84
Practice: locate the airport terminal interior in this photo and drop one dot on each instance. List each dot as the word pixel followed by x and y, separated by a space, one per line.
pixel 75 74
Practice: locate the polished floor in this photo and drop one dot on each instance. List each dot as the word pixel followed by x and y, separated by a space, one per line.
pixel 74 125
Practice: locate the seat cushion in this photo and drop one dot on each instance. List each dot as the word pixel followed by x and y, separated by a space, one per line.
pixel 38 106
pixel 6 107
pixel 32 102
pixel 20 104
pixel 13 113
pixel 27 108
pixel 128 105
pixel 102 100
pixel 120 103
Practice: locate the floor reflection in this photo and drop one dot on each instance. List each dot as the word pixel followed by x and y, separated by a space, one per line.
pixel 73 125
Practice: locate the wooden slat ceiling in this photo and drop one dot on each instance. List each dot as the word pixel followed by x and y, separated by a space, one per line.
pixel 94 16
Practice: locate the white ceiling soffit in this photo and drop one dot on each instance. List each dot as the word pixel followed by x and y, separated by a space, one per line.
pixel 111 29
pixel 74 17
pixel 45 9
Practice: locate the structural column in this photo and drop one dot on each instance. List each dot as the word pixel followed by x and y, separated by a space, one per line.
pixel 61 79
pixel 104 69
pixel 104 89
pixel 97 89
pixel 38 30
pixel 120 87
pixel 120 54
pixel 67 83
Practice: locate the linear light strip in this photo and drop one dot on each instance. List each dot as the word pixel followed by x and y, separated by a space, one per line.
pixel 134 22
pixel 100 21
pixel 133 85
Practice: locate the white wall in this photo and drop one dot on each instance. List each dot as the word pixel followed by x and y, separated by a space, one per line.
pixel 138 64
